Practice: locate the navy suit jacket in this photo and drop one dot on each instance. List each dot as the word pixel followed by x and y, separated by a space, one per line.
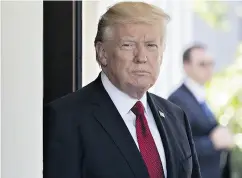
pixel 201 125
pixel 85 137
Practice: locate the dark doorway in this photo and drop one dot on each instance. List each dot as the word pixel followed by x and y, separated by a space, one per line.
pixel 62 48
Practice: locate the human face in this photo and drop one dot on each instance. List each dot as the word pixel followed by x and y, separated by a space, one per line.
pixel 200 66
pixel 132 57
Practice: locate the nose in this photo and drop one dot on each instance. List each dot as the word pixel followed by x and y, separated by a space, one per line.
pixel 140 54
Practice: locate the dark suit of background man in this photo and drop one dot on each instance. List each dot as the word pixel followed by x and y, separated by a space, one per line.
pixel 114 128
pixel 210 138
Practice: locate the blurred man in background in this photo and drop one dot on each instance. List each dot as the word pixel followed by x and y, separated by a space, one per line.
pixel 211 140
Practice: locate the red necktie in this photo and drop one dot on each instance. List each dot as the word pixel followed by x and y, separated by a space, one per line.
pixel 146 143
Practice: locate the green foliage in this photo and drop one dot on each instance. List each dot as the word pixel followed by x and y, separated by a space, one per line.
pixel 225 94
pixel 213 12
pixel 225 89
pixel 225 97
pixel 236 162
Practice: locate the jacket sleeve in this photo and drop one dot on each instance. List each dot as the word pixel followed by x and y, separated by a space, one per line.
pixel 196 168
pixel 62 151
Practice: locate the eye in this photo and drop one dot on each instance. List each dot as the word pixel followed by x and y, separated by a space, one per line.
pixel 152 45
pixel 127 45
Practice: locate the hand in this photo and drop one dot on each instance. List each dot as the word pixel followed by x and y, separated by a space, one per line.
pixel 222 138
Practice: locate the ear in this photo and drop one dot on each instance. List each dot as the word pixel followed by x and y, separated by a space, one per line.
pixel 186 65
pixel 101 54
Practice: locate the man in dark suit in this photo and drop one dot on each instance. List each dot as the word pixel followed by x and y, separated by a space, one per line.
pixel 113 127
pixel 211 140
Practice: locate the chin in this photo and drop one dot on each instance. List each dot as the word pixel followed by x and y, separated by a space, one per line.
pixel 143 87
pixel 141 82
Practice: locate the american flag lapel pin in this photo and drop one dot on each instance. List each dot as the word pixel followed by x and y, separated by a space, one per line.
pixel 162 114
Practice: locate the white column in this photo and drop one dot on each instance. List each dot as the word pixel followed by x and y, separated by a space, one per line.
pixel 21 89
pixel 90 20
pixel 179 34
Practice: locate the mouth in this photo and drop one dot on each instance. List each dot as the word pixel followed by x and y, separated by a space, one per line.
pixel 140 72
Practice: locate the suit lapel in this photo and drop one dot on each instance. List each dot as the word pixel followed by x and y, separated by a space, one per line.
pixel 193 98
pixel 108 116
pixel 161 119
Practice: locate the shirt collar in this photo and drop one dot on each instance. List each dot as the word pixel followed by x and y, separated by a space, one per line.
pixel 121 100
pixel 197 89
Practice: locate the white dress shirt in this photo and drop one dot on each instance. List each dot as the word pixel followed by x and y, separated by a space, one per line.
pixel 124 103
pixel 197 90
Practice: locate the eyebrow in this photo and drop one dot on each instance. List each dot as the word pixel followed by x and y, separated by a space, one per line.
pixel 133 40
pixel 151 41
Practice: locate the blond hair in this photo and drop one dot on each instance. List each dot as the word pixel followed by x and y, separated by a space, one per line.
pixel 129 12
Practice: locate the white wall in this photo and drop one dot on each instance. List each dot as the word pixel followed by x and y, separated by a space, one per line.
pixel 21 89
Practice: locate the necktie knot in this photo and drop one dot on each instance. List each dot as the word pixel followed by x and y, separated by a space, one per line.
pixel 207 110
pixel 138 108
